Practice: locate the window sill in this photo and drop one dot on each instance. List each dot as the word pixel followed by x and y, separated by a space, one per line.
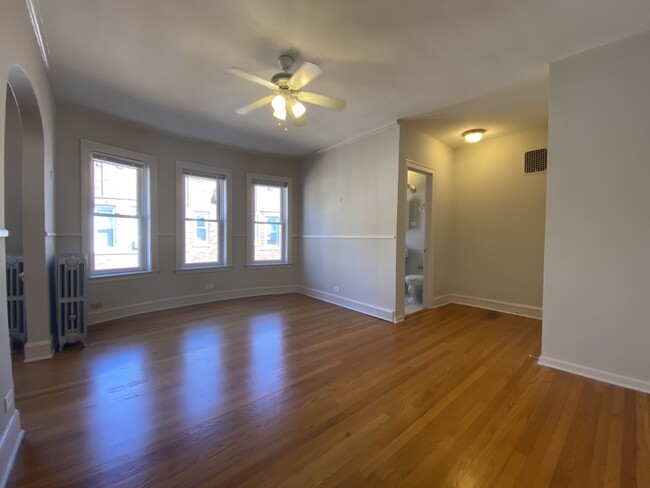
pixel 123 276
pixel 269 265
pixel 205 269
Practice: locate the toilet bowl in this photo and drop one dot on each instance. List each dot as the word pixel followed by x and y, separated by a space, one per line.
pixel 414 283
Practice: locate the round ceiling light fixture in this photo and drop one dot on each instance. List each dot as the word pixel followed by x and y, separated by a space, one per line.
pixel 473 135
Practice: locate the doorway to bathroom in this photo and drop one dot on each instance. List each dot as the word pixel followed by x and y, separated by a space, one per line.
pixel 418 194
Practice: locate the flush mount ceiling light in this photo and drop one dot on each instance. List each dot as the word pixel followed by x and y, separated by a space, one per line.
pixel 473 135
pixel 288 98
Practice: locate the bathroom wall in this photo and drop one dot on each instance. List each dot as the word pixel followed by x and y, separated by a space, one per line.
pixel 415 224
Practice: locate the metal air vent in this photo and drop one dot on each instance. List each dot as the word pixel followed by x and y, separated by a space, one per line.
pixel 535 161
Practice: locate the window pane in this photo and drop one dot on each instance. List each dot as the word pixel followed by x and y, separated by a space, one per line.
pixel 116 243
pixel 268 242
pixel 116 188
pixel 201 242
pixel 268 203
pixel 201 197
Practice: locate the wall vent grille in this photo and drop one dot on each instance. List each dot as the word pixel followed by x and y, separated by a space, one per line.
pixel 535 161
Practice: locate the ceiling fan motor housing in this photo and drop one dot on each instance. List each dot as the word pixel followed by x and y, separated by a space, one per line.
pixel 281 79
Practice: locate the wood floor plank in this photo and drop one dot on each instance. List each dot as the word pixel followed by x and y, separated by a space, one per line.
pixel 290 391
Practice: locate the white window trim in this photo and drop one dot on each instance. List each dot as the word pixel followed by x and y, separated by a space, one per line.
pixel 150 204
pixel 250 236
pixel 180 224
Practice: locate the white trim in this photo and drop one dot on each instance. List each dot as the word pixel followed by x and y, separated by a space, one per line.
pixel 150 211
pixel 9 444
pixel 499 306
pixel 398 319
pixel 596 374
pixel 204 269
pixel 226 214
pixel 122 277
pixel 349 303
pixel 287 217
pixel 355 138
pixel 36 25
pixel 103 315
pixel 440 301
pixel 37 351
pixel 345 237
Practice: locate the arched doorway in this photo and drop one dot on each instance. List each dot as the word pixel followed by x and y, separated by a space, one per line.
pixel 35 248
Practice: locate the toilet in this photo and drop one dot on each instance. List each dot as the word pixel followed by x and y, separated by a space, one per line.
pixel 414 283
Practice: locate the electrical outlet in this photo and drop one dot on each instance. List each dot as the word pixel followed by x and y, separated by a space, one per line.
pixel 209 286
pixel 9 400
pixel 96 305
pixel 336 289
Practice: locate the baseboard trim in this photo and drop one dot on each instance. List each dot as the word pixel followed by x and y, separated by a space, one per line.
pixel 9 444
pixel 440 301
pixel 505 307
pixel 38 351
pixel 99 316
pixel 596 374
pixel 349 303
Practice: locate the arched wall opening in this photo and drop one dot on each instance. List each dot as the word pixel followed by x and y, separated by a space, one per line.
pixel 32 209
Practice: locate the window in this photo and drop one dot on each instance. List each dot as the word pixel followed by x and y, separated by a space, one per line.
pixel 268 232
pixel 117 209
pixel 202 211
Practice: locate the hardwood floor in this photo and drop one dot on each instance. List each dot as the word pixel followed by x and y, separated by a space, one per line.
pixel 292 392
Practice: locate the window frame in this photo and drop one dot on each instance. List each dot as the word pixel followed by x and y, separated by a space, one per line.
pixel 148 204
pixel 226 215
pixel 286 220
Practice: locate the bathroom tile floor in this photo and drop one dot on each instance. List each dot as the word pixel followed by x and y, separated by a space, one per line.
pixel 411 307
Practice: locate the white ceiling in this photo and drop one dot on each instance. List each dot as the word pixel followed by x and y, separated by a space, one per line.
pixel 452 65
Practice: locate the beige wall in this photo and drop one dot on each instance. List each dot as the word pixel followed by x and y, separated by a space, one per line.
pixel 423 149
pixel 13 177
pixel 597 271
pixel 349 218
pixel 498 221
pixel 128 296
pixel 18 48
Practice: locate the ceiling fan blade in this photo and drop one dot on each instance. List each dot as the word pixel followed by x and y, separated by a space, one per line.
pixel 253 78
pixel 255 105
pixel 307 73
pixel 299 121
pixel 322 100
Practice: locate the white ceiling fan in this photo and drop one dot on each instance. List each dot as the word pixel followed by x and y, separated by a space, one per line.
pixel 288 95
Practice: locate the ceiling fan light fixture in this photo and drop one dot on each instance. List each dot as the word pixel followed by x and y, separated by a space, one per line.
pixel 298 109
pixel 280 113
pixel 473 135
pixel 279 103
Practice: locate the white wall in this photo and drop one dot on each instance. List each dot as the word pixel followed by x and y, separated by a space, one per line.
pixel 13 177
pixel 349 223
pixel 429 152
pixel 498 221
pixel 597 271
pixel 18 47
pixel 415 223
pixel 167 288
